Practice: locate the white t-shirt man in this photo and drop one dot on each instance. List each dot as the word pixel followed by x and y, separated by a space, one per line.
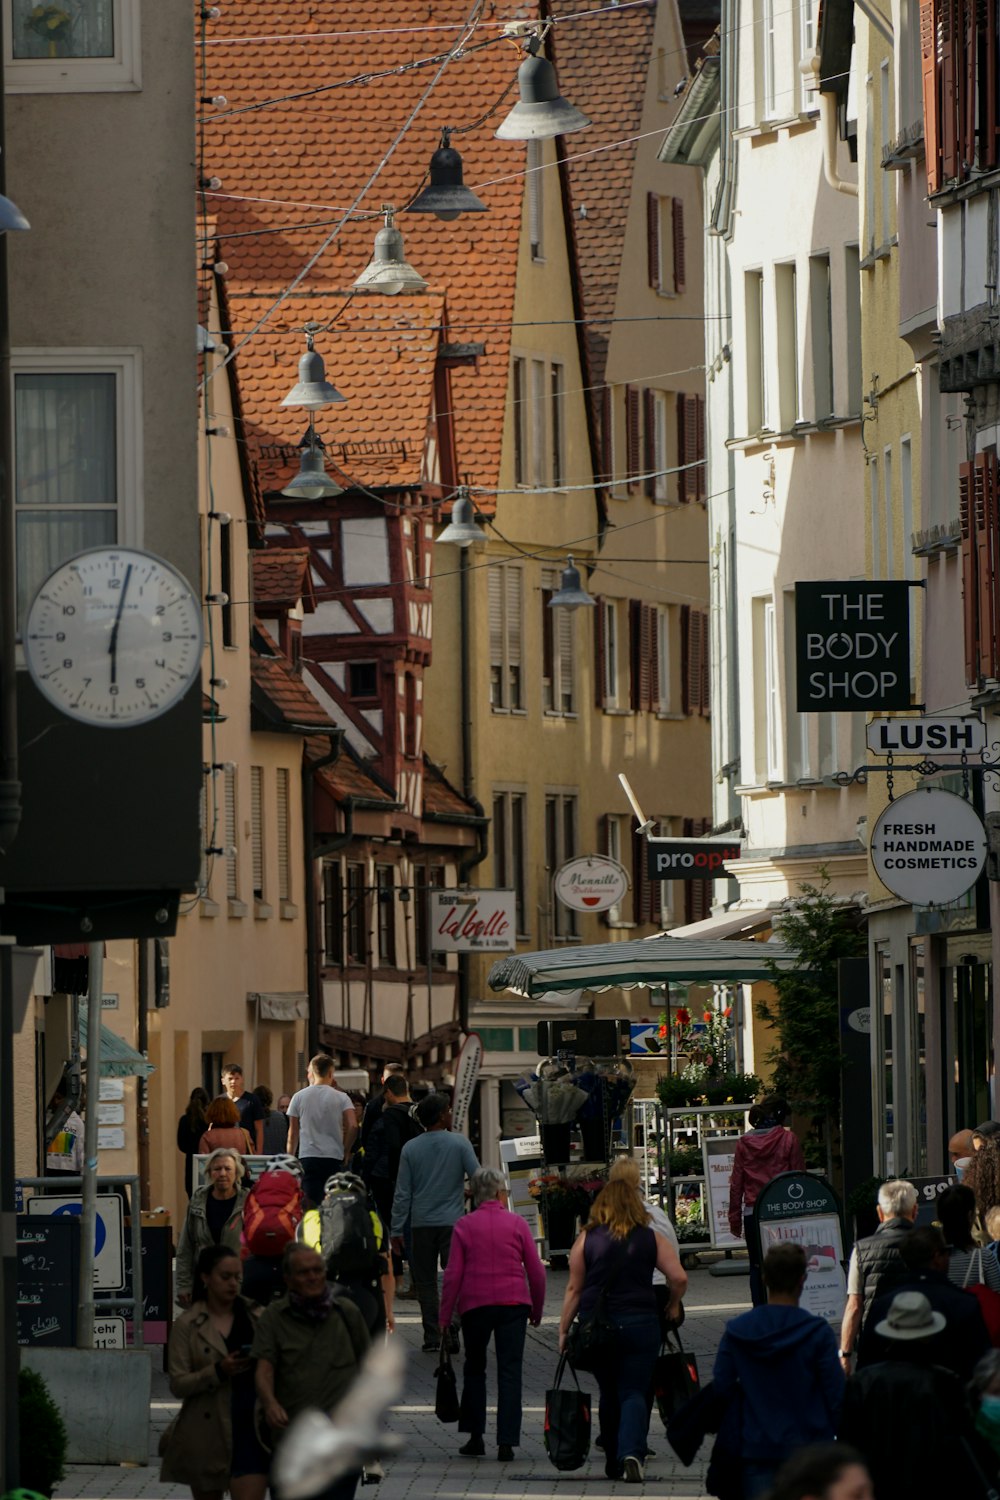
pixel 319 1109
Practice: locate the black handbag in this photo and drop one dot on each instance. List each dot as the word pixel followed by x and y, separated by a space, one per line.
pixel 591 1341
pixel 675 1377
pixel 446 1403
pixel 567 1421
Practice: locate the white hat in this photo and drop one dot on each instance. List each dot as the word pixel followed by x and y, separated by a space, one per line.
pixel 910 1317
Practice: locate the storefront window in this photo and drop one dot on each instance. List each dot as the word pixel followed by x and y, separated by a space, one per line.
pixel 918 1000
pixel 883 973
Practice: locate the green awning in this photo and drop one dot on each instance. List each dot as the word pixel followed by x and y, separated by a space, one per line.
pixel 645 961
pixel 118 1059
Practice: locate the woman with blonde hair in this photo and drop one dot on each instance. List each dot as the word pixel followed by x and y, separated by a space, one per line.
pixel 214 1217
pixel 612 1264
pixel 626 1168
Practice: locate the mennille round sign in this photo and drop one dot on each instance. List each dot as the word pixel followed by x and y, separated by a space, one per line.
pixel 929 846
pixel 591 884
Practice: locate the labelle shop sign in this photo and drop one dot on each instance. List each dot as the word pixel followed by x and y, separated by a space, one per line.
pixel 852 646
pixel 929 846
pixel 471 921
pixel 593 883
pixel 689 859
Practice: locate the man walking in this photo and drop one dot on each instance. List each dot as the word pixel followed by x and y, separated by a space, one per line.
pixel 308 1346
pixel 394 1127
pixel 963 1340
pixel 322 1124
pixel 430 1193
pixel 876 1261
pixel 250 1108
pixel 781 1363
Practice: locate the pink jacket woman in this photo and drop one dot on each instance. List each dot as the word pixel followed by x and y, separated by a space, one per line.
pixel 493 1261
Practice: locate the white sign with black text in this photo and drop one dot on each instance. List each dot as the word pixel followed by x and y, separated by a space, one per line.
pixel 962 734
pixel 929 846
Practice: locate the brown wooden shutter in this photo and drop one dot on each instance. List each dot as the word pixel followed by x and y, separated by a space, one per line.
pixel 992 482
pixel 948 51
pixel 985 516
pixel 607 437
pixel 700 474
pixel 632 446
pixel 932 108
pixel 682 453
pixel 641 903
pixel 649 441
pixel 599 649
pixel 970 593
pixel 989 143
pixel 640 654
pixel 692 425
pixel 694 660
pixel 654 658
pixel 653 240
pixel 685 658
pixel 678 228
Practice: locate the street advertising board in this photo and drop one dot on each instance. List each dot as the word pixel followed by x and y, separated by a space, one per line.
pixel 929 846
pixel 48 1280
pixel 471 921
pixel 929 1190
pixel 522 1160
pixel 852 646
pixel 109 1234
pixel 593 883
pixel 962 734
pixel 470 1060
pixel 719 1153
pixel 801 1207
pixel 689 859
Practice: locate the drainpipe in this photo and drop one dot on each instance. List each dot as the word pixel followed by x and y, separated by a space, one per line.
pixel 479 853
pixel 828 125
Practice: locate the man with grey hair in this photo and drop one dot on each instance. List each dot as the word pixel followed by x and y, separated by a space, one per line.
pixel 876 1262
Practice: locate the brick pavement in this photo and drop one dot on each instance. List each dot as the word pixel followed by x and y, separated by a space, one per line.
pixel 429 1464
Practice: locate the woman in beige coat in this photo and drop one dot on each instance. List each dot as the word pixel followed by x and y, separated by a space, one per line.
pixel 212 1445
pixel 214 1217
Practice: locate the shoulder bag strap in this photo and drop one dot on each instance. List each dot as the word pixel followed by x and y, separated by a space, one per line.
pixel 561 1367
pixel 968 1269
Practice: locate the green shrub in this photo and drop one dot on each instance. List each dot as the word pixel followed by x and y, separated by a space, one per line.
pixel 42 1435
pixel 676 1089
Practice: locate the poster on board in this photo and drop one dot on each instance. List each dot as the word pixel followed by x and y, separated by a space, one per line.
pixel 802 1208
pixel 718 1154
pixel 522 1160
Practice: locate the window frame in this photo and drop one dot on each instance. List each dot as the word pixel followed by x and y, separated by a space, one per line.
pixel 121 73
pixel 510 849
pixel 511 672
pixel 558 653
pixel 561 823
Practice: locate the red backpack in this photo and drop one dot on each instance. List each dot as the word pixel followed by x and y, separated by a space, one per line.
pixel 271 1214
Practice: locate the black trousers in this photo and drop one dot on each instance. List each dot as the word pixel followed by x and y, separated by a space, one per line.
pixel 506 1326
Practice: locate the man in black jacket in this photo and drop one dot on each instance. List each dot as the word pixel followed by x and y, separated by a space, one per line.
pixel 394 1126
pixel 962 1342
pixel 876 1262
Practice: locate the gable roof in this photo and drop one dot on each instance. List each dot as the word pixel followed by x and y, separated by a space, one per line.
pixel 281 577
pixel 290 170
pixel 278 693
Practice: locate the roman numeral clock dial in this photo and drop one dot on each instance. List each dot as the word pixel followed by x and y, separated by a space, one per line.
pixel 114 637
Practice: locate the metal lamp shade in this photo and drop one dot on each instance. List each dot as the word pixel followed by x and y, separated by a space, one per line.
pixel 541 111
pixel 11 216
pixel 446 194
pixel 462 530
pixel 387 271
pixel 312 390
pixel 571 594
pixel 312 482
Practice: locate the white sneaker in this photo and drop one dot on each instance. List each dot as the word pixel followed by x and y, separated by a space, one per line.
pixel 635 1473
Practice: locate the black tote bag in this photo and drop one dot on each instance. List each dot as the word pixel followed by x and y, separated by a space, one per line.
pixel 446 1404
pixel 675 1377
pixel 567 1421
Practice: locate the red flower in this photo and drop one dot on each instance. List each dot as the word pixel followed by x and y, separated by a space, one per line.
pixel 728 1012
pixel 663 1031
pixel 707 1016
pixel 683 1017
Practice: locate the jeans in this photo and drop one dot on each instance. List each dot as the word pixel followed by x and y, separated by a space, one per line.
pixel 758 1296
pixel 383 1190
pixel 624 1383
pixel 758 1480
pixel 431 1243
pixel 315 1171
pixel 507 1326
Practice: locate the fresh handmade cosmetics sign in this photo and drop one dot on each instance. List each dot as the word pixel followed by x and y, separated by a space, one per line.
pixel 852 646
pixel 929 846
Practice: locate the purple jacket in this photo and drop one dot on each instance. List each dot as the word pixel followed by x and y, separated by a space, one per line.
pixel 493 1262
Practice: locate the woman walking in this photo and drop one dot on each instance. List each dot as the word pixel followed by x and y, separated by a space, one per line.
pixel 224 1128
pixel 968 1264
pixel 190 1128
pixel 767 1149
pixel 496 1280
pixel 212 1443
pixel 214 1217
pixel 613 1259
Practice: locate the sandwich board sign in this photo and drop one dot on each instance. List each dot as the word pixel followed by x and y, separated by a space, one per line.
pixel 801 1207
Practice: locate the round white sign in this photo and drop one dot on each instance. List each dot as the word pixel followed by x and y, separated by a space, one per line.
pixel 929 846
pixel 593 883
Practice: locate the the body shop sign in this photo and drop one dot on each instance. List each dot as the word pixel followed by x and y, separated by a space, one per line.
pixel 471 921
pixel 591 884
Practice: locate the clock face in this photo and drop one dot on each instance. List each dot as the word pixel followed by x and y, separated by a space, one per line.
pixel 114 637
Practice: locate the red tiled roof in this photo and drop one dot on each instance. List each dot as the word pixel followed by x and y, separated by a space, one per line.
pixel 347 776
pixel 286 699
pixel 315 154
pixel 440 796
pixel 281 576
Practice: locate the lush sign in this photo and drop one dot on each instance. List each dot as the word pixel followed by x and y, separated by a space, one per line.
pixel 852 646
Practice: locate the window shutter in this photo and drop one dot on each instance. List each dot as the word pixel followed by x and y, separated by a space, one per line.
pixel 682 453
pixel 705 702
pixel 984 498
pixel 992 482
pixel 686 659
pixel 635 653
pixel 648 441
pixel 232 860
pixel 513 622
pixel 641 904
pixel 932 108
pixel 653 240
pixel 948 25
pixel 689 478
pixel 678 226
pixel 653 629
pixel 494 595
pixel 989 87
pixel 607 441
pixel 970 595
pixel 599 650
pixel 694 660
pixel 700 474
pixel 632 447
pixel 564 650
pixel 284 850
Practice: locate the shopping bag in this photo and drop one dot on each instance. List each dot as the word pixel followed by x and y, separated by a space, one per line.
pixel 567 1422
pixel 675 1377
pixel 446 1404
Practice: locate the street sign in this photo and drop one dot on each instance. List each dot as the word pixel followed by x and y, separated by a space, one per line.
pixel 471 921
pixel 689 859
pixel 593 883
pixel 929 846
pixel 109 1234
pixel 470 1060
pixel 801 1207
pixel 109 1333
pixel 852 646
pixel 964 733
pixel 644 1039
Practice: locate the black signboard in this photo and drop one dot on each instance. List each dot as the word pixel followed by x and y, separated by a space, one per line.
pixel 48 1279
pixel 689 859
pixel 852 646
pixel 157 1282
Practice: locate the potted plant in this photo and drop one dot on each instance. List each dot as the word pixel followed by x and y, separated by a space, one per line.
pixel 42 1435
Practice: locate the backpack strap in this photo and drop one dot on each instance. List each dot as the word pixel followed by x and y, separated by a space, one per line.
pixel 338 1303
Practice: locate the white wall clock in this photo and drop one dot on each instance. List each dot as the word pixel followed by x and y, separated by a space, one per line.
pixel 114 637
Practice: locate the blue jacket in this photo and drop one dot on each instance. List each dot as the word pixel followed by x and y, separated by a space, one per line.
pixel 782 1363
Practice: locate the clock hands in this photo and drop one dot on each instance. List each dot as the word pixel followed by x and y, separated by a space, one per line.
pixel 113 647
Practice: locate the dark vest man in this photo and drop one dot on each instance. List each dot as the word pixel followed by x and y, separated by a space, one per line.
pixel 876 1262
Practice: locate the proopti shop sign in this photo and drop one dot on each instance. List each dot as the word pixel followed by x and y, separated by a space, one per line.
pixel 593 883
pixel 852 646
pixel 929 846
pixel 471 921
pixel 689 859
pixel 801 1207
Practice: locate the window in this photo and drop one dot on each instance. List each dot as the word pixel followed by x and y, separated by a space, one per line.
pixel 876 518
pixel 906 495
pixel 505 606
pixel 691 483
pixel 870 167
pixel 229 820
pixel 282 793
pixel 789 392
pixel 520 400
pixel 646 893
pixel 772 695
pixel 979 510
pixel 852 310
pixel 694 660
pixel 203 868
pixel 93 46
pixel 560 845
pixel 362 679
pixel 509 851
pixel 333 913
pixel 557 650
pixel 961 104
pixel 644 644
pixel 411 716
pixel 633 437
pixel 357 915
pixel 538 447
pixel 753 296
pixel 807 28
pixel 889 513
pixel 77 466
pixel 228 611
pixel 888 178
pixel 768 84
pixel 797 726
pixel 606 653
pixel 663 658
pixel 821 322
pixel 665 244
pixel 385 883
pixel 556 387
pixel 425 878
pixel 613 843
pixel 659 445
pixel 257 830
pixel 536 200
